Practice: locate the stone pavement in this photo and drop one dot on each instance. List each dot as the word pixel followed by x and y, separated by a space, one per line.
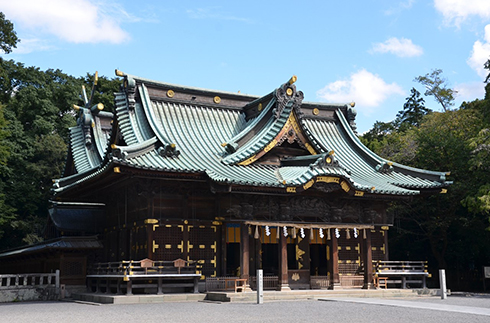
pixel 271 311
pixel 428 305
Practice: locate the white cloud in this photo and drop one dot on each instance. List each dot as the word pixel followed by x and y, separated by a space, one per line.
pixel 457 11
pixel 480 54
pixel 29 45
pixel 366 89
pixel 76 21
pixel 400 47
pixel 470 91
pixel 397 9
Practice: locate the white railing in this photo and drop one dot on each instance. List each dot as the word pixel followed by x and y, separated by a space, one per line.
pixel 18 281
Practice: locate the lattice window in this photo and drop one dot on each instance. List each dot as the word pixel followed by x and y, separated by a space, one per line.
pixel 378 244
pixel 203 247
pixel 170 241
pixel 349 249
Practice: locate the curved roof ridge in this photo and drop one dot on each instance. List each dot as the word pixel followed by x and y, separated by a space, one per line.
pixel 231 144
pixel 407 170
pixel 152 118
pixel 78 150
pixel 266 127
pixel 123 118
pixel 260 141
pixel 186 88
pixel 101 138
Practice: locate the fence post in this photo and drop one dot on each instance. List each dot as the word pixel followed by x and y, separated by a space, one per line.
pixel 442 282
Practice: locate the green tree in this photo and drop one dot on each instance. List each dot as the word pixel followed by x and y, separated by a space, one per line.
pixel 413 110
pixel 7 213
pixel 38 111
pixel 442 144
pixel 487 67
pixel 436 86
pixel 8 37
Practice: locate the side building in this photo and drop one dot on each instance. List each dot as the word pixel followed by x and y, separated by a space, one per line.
pixel 231 181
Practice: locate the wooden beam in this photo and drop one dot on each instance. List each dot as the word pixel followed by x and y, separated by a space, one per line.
pixel 367 254
pixel 244 252
pixel 334 261
pixel 283 263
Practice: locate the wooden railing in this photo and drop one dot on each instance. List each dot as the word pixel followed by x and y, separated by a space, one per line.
pixel 402 272
pixel 116 276
pixel 219 283
pixel 143 267
pixel 320 282
pixel 270 282
pixel 351 275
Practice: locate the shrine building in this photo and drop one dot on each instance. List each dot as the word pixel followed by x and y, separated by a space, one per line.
pixel 233 182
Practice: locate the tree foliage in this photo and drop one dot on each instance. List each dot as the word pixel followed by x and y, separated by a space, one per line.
pixel 37 106
pixel 436 86
pixel 413 111
pixel 447 229
pixel 8 37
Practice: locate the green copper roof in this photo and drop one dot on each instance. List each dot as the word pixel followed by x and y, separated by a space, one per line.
pixel 225 136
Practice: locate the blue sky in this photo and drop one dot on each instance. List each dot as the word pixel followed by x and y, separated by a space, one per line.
pixel 366 51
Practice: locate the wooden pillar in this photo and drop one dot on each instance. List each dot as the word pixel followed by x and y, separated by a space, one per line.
pixel 283 263
pixel 223 258
pixel 367 255
pixel 245 254
pixel 385 236
pixel 334 260
pixel 149 241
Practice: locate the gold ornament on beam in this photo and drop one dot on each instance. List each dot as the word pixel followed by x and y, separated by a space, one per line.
pixel 278 233
pixel 294 233
pixel 364 234
pixel 347 232
pixel 312 235
pixel 328 234
pixel 256 235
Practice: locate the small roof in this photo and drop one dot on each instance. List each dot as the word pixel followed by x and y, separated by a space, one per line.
pixel 225 137
pixel 63 243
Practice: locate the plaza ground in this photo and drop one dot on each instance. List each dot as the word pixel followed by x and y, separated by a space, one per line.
pixel 460 308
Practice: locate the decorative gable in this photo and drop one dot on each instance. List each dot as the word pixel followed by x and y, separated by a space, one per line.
pixel 279 122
